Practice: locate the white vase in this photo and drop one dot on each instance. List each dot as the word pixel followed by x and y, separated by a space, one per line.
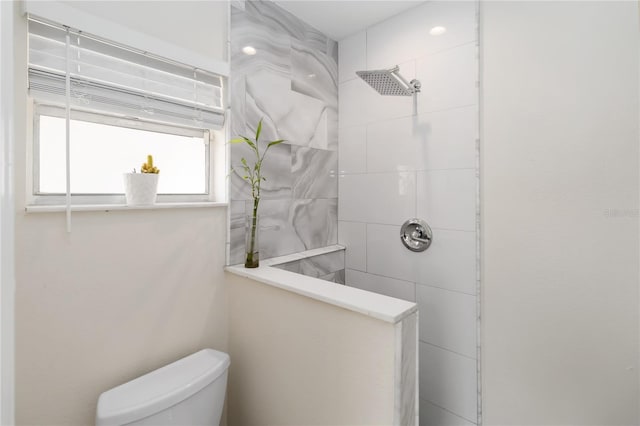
pixel 140 188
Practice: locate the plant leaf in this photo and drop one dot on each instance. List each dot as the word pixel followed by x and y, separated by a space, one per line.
pixel 259 130
pixel 275 143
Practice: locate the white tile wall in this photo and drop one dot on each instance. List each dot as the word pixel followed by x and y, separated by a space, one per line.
pixel 387 256
pixel 432 141
pixel 448 380
pixel 448 319
pixel 450 77
pixel 353 101
pixel 447 198
pixel 450 262
pixel 432 415
pixel 353 235
pixel 388 286
pixel 394 145
pixel 352 56
pixel 406 36
pixel 387 198
pixel 448 138
pixel 352 149
pixel 397 163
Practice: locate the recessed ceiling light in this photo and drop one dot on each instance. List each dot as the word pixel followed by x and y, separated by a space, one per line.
pixel 312 75
pixel 249 50
pixel 436 31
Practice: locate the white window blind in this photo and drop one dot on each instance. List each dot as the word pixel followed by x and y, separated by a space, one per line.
pixel 107 77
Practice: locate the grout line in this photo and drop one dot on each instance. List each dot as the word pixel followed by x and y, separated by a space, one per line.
pixel 447 410
pixel 446 49
pixel 416 283
pixel 384 120
pixel 448 350
pixel 382 172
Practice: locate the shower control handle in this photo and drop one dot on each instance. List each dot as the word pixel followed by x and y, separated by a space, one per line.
pixel 416 235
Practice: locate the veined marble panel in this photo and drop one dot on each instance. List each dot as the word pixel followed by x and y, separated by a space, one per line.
pixel 291 84
pixel 273 49
pixel 324 266
pixel 314 173
pixel 276 169
pixel 406 405
pixel 286 226
pixel 281 21
pixel 335 277
pixel 316 222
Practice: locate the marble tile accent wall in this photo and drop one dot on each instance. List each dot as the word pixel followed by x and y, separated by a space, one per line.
pixel 328 267
pixel 292 84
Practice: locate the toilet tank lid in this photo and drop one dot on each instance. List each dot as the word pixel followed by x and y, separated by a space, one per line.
pixel 161 388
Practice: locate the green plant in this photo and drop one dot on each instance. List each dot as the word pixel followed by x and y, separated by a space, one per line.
pixel 252 173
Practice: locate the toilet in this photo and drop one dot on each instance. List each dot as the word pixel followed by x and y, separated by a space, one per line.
pixel 187 392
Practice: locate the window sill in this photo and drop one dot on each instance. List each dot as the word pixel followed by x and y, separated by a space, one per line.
pixel 110 207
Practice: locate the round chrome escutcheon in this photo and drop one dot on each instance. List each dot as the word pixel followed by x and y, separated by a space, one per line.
pixel 416 235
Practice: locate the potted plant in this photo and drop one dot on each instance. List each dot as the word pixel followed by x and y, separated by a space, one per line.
pixel 142 188
pixel 252 173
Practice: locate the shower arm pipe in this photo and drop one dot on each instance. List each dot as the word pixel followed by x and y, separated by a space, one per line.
pixel 413 85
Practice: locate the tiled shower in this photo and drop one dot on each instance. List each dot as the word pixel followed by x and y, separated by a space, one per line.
pixel 357 165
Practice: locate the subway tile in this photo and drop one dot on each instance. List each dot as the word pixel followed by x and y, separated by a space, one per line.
pixel 407 35
pixel 387 256
pixel 448 79
pixel 448 139
pixel 432 415
pixel 449 380
pixel 438 140
pixel 447 198
pixel 352 56
pixel 387 198
pixel 353 99
pixel 377 284
pixel 394 145
pixel 353 235
pixel 448 319
pixel 352 149
pixel 450 261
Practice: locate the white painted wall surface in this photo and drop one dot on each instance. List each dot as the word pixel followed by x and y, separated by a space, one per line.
pixel 396 166
pixel 7 266
pixel 328 366
pixel 560 212
pixel 126 292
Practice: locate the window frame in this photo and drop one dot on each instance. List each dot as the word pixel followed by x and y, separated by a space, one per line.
pixel 36 198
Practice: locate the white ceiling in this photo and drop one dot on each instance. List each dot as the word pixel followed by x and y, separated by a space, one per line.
pixel 341 18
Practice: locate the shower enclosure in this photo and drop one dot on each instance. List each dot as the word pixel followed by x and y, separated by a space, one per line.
pixel 357 165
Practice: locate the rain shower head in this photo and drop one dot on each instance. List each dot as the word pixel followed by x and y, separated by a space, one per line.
pixel 390 82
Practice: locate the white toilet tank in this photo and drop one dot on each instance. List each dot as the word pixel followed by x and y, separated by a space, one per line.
pixel 189 391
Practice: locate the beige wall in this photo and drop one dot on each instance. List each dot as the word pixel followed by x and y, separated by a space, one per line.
pixel 329 366
pixel 559 162
pixel 123 294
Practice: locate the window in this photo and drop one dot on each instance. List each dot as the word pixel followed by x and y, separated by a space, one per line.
pixel 123 105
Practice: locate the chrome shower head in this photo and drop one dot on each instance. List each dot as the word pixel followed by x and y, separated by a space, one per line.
pixel 390 82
